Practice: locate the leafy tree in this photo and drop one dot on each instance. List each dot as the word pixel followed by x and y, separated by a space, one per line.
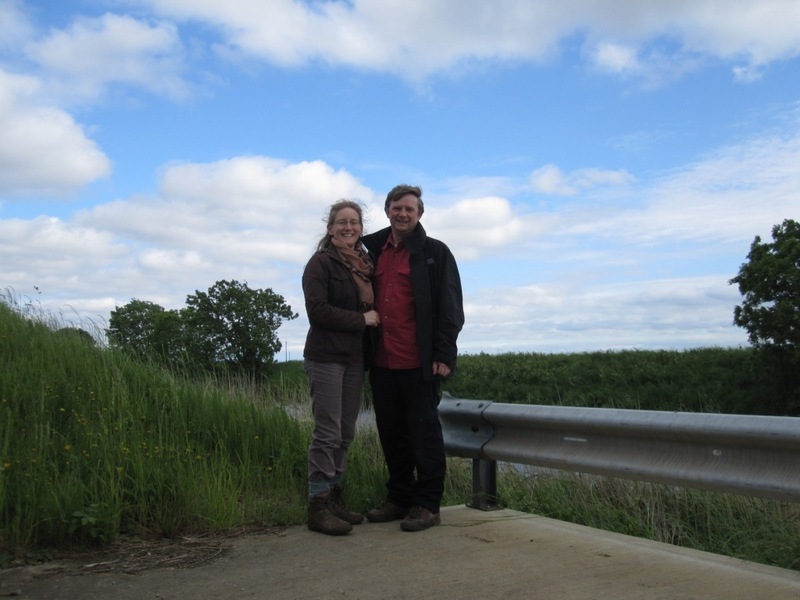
pixel 770 285
pixel 168 339
pixel 235 325
pixel 231 325
pixel 132 327
pixel 770 311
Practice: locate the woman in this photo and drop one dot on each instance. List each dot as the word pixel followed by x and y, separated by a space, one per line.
pixel 337 285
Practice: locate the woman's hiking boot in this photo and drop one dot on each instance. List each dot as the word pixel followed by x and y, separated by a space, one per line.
pixel 339 508
pixel 322 519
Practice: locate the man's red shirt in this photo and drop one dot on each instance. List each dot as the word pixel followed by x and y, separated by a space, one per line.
pixel 394 301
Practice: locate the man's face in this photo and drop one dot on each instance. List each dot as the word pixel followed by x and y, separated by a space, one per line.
pixel 403 215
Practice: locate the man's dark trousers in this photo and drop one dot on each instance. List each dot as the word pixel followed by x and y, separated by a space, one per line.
pixel 406 413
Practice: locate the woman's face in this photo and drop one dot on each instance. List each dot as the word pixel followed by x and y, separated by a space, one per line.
pixel 346 227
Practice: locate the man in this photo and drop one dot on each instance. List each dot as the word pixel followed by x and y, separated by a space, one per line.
pixel 418 297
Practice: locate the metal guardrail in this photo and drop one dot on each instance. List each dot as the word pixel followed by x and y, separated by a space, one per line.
pixel 749 455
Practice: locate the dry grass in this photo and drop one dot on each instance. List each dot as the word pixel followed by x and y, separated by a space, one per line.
pixel 133 555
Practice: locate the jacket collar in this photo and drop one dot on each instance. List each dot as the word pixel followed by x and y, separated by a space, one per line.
pixel 414 241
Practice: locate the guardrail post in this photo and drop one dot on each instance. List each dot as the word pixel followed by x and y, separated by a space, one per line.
pixel 484 485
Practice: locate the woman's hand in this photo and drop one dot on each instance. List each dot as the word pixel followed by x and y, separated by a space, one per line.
pixel 372 318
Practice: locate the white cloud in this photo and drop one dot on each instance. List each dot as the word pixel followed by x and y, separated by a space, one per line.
pixel 162 262
pixel 59 256
pixel 416 39
pixel 252 218
pixel 601 274
pixel 731 195
pixel 661 40
pixel 81 61
pixel 474 227
pixel 758 31
pixel 713 206
pixel 413 39
pixel 243 194
pixel 15 28
pixel 42 149
pixel 556 317
pixel 616 58
pixel 551 180
pixel 260 184
pixel 747 74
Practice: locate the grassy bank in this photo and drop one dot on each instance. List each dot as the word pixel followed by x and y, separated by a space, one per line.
pixel 94 446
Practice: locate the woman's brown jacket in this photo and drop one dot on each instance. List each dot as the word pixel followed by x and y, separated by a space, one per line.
pixel 337 327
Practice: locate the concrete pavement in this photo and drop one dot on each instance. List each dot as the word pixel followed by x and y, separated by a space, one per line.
pixel 472 555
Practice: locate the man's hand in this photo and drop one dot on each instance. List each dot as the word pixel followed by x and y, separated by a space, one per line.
pixel 441 369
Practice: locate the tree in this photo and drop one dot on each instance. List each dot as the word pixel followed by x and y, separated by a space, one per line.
pixel 770 311
pixel 235 325
pixel 132 327
pixel 770 285
pixel 168 338
pixel 231 325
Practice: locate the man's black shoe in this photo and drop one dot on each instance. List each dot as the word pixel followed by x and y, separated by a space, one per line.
pixel 420 518
pixel 387 512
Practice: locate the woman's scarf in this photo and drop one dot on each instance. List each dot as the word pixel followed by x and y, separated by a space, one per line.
pixel 361 269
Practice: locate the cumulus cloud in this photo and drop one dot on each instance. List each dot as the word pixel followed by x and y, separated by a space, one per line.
pixel 757 32
pixel 258 182
pixel 251 218
pixel 656 41
pixel 662 40
pixel 42 149
pixel 250 209
pixel 406 38
pixel 257 220
pixel 652 39
pixel 474 227
pixel 53 249
pixel 83 60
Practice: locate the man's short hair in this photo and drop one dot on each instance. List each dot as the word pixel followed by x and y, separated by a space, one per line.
pixel 401 190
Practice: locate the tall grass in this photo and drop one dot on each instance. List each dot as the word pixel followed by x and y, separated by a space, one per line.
pixel 753 529
pixel 94 444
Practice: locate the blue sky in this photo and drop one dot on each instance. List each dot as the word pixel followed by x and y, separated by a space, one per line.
pixel 599 168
